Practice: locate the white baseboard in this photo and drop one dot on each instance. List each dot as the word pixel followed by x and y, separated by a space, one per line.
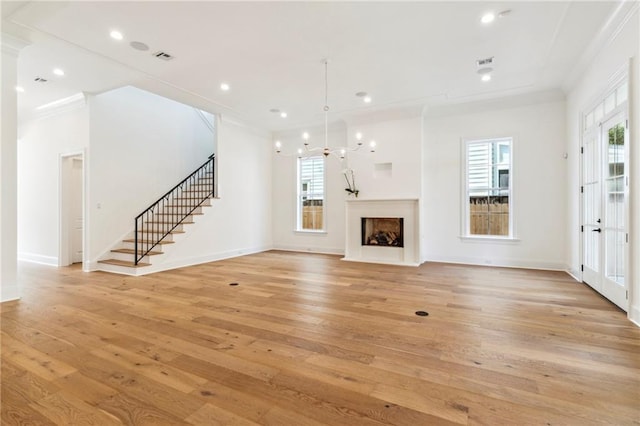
pixel 634 315
pixel 575 274
pixel 503 263
pixel 197 260
pixel 181 263
pixel 382 262
pixel 38 258
pixel 306 249
pixel 10 293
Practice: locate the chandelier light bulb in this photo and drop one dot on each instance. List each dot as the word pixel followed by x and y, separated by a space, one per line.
pixel 116 35
pixel 325 149
pixel 488 18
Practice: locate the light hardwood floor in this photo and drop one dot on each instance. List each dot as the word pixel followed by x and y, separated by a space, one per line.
pixel 308 339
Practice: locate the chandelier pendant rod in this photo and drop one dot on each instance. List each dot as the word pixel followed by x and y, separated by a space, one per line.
pixel 326 104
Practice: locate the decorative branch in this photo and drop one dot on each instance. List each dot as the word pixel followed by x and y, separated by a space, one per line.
pixel 350 178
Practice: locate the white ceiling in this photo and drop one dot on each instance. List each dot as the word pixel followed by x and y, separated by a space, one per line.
pixel 405 55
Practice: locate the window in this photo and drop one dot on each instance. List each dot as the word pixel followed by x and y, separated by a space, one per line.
pixel 488 188
pixel 311 194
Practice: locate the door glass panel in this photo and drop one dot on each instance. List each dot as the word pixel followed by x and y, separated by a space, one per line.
pixel 615 256
pixel 598 112
pixel 621 94
pixel 610 103
pixel 591 200
pixel 588 120
pixel 614 203
pixel 591 216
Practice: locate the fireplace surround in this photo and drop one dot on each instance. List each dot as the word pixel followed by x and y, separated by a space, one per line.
pixel 387 215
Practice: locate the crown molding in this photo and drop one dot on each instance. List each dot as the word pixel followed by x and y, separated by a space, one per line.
pixel 12 45
pixel 612 28
pixel 76 103
pixel 505 102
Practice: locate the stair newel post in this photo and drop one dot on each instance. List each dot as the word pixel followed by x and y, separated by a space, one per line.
pixel 135 242
pixel 213 176
pixel 161 216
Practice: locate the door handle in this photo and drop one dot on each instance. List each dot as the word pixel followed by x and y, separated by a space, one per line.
pixel 596 230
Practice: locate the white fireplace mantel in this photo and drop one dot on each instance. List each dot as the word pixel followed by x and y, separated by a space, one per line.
pixel 406 208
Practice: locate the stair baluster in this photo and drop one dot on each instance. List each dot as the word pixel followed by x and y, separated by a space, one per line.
pixel 172 209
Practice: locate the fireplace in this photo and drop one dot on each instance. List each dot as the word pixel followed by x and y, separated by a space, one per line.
pixel 399 216
pixel 382 231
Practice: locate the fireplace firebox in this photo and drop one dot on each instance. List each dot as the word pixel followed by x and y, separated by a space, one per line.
pixel 383 231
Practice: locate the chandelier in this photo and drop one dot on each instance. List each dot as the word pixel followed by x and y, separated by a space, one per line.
pixel 340 151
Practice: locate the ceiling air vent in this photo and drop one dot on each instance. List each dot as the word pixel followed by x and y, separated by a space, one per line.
pixel 163 55
pixel 485 62
pixel 40 80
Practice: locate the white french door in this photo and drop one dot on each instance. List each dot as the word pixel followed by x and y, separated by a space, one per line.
pixel 605 199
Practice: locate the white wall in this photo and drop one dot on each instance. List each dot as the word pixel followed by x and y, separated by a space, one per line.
pixel 41 143
pixel 392 171
pixel 141 146
pixel 612 56
pixel 239 220
pixel 9 289
pixel 539 193
pixel 284 181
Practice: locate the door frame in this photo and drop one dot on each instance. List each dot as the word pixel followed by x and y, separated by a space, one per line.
pixel 614 81
pixel 64 172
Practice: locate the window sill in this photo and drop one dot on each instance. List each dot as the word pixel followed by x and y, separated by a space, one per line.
pixel 488 239
pixel 309 231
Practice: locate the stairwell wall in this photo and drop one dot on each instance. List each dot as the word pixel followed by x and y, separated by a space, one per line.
pixel 239 220
pixel 141 146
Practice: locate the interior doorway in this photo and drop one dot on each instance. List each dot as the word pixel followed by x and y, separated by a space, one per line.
pixel 71 209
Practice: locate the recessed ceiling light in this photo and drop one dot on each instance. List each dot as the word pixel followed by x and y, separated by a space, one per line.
pixel 58 71
pixel 486 77
pixel 116 35
pixel 138 45
pixel 504 13
pixel 361 94
pixel 283 114
pixel 275 110
pixel 367 99
pixel 19 89
pixel 225 87
pixel 487 18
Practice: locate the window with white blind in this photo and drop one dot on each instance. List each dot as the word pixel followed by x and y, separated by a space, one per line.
pixel 311 194
pixel 488 201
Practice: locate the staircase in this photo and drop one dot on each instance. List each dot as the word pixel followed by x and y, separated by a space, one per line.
pixel 161 224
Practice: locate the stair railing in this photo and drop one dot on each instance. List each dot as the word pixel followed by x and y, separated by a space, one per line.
pixel 162 217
